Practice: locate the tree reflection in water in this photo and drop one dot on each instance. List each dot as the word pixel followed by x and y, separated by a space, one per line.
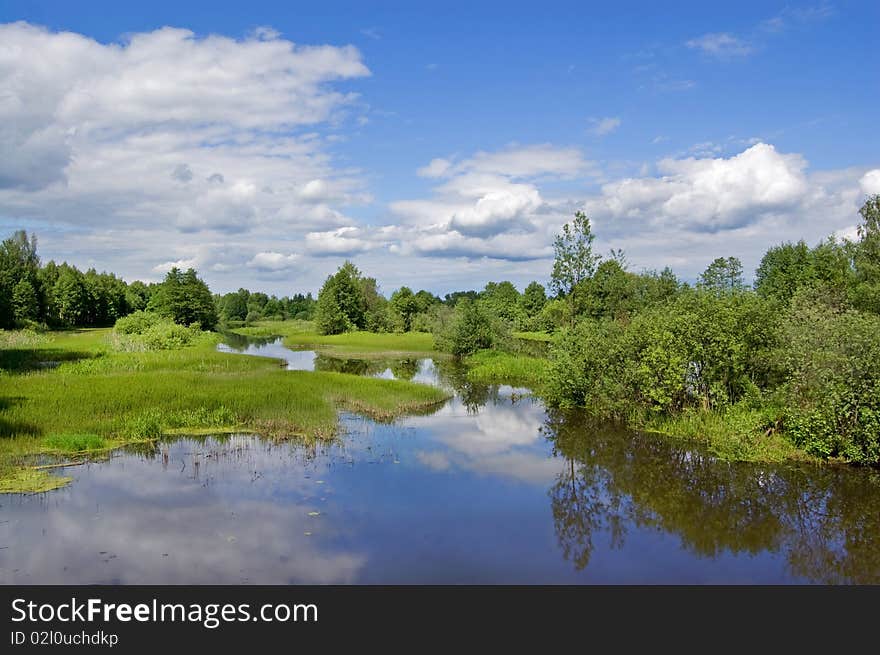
pixel 825 520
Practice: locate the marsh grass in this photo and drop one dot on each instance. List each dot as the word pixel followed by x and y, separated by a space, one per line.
pixel 737 433
pixel 132 396
pixel 497 367
pixel 75 443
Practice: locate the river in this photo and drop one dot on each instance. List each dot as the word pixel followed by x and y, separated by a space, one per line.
pixel 490 488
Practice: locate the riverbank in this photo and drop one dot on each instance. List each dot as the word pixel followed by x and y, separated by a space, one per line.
pixel 69 394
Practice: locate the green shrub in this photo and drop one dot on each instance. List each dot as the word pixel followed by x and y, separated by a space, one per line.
pixel 149 331
pixel 831 359
pixel 470 329
pixel 701 349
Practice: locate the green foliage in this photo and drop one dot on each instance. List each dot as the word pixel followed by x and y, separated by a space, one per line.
pixel 25 306
pixel 553 316
pixel 501 300
pixel 787 268
pixel 18 263
pixel 137 322
pixel 866 259
pixel 405 306
pixel 533 300
pixel 703 349
pixel 185 299
pixel 831 360
pixel 329 316
pixel 470 329
pixel 150 331
pixel 574 260
pixel 723 275
pixel 342 302
pixel 584 367
pixel 70 297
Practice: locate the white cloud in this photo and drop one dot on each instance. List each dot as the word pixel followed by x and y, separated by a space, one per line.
pixel 436 168
pixel 273 261
pixel 870 182
pixel 707 193
pixel 166 133
pixel 487 205
pixel 697 209
pixel 182 264
pixel 498 210
pixel 721 44
pixel 344 241
pixel 603 126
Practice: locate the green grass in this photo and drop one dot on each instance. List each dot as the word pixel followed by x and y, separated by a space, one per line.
pixel 75 443
pixel 123 397
pixel 737 433
pixel 497 367
pixel 356 345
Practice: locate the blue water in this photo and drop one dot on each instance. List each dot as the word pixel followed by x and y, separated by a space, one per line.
pixel 489 488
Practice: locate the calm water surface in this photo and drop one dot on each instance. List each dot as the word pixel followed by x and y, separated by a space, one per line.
pixel 490 488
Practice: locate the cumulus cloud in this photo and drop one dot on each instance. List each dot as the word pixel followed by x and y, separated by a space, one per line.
pixel 696 209
pixel 344 241
pixel 488 205
pixel 721 44
pixel 170 133
pixel 708 193
pixel 273 261
pixel 870 182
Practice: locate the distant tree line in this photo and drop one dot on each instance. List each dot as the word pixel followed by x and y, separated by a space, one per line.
pixel 61 295
pixel 249 306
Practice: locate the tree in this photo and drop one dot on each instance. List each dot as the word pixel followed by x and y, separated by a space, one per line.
pixel 425 300
pixel 723 276
pixel 471 331
pixel 345 286
pixel 610 293
pixel 137 296
pixel 272 308
pixel 18 261
pixel 574 260
pixel 453 298
pixel 24 302
pixel 783 270
pixel 235 305
pixel 501 299
pixel 866 259
pixel 405 305
pixel 533 299
pixel 329 316
pixel 71 297
pixel 376 312
pixel 186 299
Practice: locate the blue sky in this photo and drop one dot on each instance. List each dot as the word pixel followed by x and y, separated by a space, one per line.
pixel 686 131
